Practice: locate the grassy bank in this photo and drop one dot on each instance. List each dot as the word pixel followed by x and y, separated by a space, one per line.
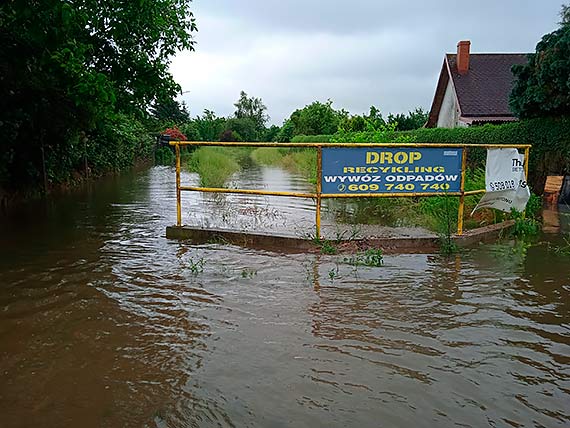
pixel 303 161
pixel 216 164
pixel 269 156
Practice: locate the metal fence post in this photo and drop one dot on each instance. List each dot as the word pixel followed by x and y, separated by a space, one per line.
pixel 178 201
pixel 319 191
pixel 526 159
pixel 462 190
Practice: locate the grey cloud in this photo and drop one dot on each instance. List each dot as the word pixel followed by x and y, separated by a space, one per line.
pixel 357 16
pixel 389 54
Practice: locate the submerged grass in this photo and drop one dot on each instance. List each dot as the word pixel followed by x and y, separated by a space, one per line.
pixel 269 156
pixel 302 161
pixel 214 165
pixel 372 257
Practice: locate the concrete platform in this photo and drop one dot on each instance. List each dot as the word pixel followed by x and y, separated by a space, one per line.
pixel 291 244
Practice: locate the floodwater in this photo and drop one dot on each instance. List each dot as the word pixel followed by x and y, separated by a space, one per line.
pixel 105 323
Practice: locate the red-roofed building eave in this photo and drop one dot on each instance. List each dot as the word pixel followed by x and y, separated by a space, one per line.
pixel 471 120
pixel 442 82
pixel 457 103
pixel 445 80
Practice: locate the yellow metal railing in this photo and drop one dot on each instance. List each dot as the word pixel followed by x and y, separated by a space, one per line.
pixel 318 195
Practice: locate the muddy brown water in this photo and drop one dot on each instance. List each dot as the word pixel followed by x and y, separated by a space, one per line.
pixel 105 323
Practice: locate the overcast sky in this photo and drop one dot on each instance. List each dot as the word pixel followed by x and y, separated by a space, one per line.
pixel 357 53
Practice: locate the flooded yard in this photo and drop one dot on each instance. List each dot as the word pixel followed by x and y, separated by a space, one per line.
pixel 106 323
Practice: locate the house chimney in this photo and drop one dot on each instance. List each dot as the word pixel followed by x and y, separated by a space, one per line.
pixel 463 56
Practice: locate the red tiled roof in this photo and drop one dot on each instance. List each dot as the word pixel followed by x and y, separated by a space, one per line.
pixel 484 90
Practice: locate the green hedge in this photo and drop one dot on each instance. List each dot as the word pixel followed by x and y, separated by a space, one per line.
pixel 312 138
pixel 549 137
pixel 112 146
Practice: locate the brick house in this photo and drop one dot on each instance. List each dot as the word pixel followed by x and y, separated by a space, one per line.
pixel 473 89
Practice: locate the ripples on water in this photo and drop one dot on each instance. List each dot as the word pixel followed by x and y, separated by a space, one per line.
pixel 103 322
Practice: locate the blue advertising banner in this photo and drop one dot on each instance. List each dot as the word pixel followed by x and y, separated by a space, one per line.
pixel 391 170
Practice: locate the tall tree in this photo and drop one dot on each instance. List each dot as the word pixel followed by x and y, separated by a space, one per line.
pixel 67 65
pixel 358 123
pixel 406 122
pixel 209 126
pixel 243 129
pixel 316 118
pixel 285 133
pixel 270 133
pixel 251 108
pixel 543 85
pixel 170 110
pixel 565 15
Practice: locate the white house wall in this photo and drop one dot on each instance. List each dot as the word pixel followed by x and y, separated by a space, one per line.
pixel 449 113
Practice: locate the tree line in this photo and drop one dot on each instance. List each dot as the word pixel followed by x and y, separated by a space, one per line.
pixel 76 80
pixel 542 89
pixel 250 120
pixel 84 85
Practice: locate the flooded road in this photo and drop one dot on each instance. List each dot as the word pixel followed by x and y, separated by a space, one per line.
pixel 105 323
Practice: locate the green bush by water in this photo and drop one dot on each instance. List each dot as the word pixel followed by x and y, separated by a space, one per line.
pixel 525 225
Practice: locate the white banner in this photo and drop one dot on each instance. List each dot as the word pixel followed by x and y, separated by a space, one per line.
pixel 505 181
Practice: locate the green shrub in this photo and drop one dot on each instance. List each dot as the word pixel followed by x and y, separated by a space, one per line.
pixel 534 206
pixel 117 143
pixel 114 144
pixel 312 139
pixel 524 226
pixel 326 246
pixel 285 133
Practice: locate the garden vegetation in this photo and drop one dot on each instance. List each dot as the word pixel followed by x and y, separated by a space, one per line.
pixel 77 80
